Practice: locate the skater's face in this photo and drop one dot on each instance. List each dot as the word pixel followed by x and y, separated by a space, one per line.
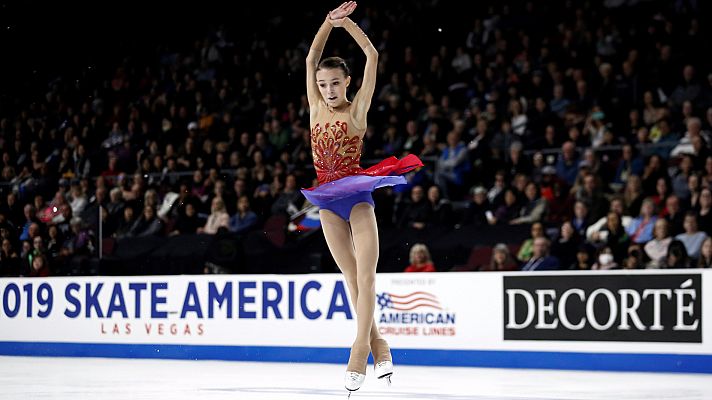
pixel 332 84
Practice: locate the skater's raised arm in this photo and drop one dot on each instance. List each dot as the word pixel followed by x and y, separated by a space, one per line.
pixel 362 100
pixel 317 47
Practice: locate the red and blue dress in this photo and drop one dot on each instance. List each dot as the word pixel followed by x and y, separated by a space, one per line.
pixel 342 183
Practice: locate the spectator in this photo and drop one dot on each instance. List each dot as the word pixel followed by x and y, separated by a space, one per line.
pixel 477 208
pixel 416 212
pixel 568 163
pixel 452 165
pixel 527 248
pixel 502 260
pixel 148 224
pixel 420 260
pixel 566 246
pixel 535 208
pixel 628 165
pixel 508 211
pixel 187 222
pixel 692 238
pixel 641 228
pixel 9 260
pixel 39 267
pixel 440 209
pixel 245 219
pixel 605 259
pixel 677 256
pixel 657 248
pixel 705 260
pixel 218 218
pixel 540 259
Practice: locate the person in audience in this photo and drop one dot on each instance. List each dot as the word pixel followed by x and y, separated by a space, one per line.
pixel 502 260
pixel 527 248
pixel 535 207
pixel 692 238
pixel 540 259
pixel 244 219
pixel 705 260
pixel 677 256
pixel 566 245
pixel 420 260
pixel 641 228
pixel 657 248
pixel 218 218
pixel 605 259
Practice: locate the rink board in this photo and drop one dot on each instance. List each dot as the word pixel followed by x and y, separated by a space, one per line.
pixel 630 321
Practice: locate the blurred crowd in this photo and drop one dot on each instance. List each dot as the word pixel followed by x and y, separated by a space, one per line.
pixel 589 121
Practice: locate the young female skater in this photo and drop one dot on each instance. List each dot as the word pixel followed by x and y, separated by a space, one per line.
pixel 344 189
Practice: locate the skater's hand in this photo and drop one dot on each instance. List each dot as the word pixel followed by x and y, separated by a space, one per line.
pixel 338 15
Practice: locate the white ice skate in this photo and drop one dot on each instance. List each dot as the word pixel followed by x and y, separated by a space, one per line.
pixel 383 362
pixel 356 369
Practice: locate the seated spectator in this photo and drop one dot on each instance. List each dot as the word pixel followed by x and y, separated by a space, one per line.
pixel 290 199
pixel 705 260
pixel 416 213
pixel 580 221
pixel 629 165
pixel 507 211
pixel 9 260
pixel 633 195
pixel 704 212
pixel 567 166
pixel 127 221
pixel 636 257
pixel 39 267
pixel 77 199
pixel 583 258
pixel 440 209
pixel 657 248
pixel 616 206
pixel 148 224
pixel 502 260
pixel 540 259
pixel 420 260
pixel 681 177
pixel 641 228
pixel 477 208
pixel 692 238
pixel 605 259
pixel 673 214
pixel 452 165
pixel 527 248
pixel 188 221
pixel 77 249
pixel 590 194
pixel 218 218
pixel 677 256
pixel 244 219
pixel 565 246
pixel 535 208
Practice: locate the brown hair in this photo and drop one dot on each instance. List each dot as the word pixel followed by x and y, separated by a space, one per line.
pixel 334 63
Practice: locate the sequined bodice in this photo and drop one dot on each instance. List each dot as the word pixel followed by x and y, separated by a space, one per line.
pixel 335 153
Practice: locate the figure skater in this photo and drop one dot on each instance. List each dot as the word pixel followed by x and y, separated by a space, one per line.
pixel 344 189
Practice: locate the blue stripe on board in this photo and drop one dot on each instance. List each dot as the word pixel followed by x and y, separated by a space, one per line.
pixel 695 363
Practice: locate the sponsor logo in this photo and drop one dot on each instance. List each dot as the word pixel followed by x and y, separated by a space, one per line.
pixel 627 308
pixel 414 313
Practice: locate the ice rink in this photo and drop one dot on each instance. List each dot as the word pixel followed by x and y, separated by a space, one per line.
pixel 96 378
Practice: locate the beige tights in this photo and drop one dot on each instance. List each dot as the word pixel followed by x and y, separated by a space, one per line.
pixel 354 246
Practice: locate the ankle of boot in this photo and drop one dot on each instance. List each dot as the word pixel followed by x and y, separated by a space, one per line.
pixel 358 359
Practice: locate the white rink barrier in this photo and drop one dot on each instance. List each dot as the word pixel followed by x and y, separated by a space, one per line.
pixel 616 320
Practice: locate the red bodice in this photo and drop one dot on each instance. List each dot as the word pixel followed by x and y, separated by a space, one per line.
pixel 335 153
